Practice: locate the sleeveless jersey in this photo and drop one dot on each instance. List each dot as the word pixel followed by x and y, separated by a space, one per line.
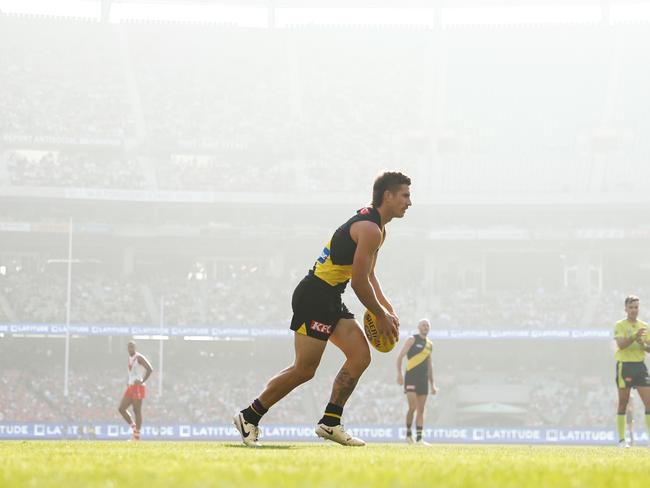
pixel 136 371
pixel 334 266
pixel 417 356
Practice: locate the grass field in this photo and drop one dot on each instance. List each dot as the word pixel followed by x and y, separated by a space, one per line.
pixel 180 464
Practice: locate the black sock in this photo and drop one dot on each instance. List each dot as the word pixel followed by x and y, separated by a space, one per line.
pixel 254 412
pixel 418 432
pixel 332 415
pixel 409 432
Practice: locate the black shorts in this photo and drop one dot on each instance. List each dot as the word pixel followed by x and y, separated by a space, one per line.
pixel 317 308
pixel 631 374
pixel 416 383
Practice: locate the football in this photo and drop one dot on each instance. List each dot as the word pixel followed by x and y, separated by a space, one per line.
pixel 370 327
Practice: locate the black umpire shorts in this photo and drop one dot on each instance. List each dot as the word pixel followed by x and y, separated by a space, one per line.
pixel 631 374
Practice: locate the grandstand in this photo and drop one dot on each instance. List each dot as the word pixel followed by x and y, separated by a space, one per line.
pixel 199 167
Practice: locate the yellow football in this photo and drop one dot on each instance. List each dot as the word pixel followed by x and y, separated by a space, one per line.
pixel 370 327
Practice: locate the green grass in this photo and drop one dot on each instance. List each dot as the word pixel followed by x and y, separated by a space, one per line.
pixel 198 464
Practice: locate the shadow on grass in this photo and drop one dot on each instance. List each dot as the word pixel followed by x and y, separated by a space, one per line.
pixel 264 447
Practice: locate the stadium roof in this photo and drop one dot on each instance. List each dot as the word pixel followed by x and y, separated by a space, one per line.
pixel 279 13
pixel 380 3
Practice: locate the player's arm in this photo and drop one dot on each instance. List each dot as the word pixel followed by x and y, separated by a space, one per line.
pixel 625 342
pixel 147 366
pixel 432 383
pixel 400 359
pixel 377 287
pixel 368 238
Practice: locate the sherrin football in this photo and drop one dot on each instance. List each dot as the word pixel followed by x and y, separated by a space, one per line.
pixel 370 327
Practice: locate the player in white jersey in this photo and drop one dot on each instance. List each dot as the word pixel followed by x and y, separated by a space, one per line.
pixel 139 370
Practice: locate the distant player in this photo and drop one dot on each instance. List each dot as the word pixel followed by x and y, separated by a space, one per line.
pixel 320 315
pixel 631 371
pixel 418 380
pixel 139 370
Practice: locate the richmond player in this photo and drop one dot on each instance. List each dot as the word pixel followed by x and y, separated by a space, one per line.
pixel 418 380
pixel 319 314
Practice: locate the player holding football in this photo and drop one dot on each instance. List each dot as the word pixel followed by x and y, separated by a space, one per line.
pixel 139 370
pixel 320 315
pixel 418 380
pixel 631 371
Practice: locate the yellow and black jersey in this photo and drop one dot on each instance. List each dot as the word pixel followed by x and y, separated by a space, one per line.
pixel 417 356
pixel 334 266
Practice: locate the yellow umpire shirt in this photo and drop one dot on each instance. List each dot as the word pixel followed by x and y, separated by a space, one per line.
pixel 635 352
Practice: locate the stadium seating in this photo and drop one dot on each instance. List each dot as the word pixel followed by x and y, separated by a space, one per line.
pixel 245 299
pixel 306 113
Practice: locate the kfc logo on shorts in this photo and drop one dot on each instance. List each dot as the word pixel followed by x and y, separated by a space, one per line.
pixel 322 328
pixel 364 211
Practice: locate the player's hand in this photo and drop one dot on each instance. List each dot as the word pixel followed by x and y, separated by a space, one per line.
pixel 138 382
pixel 434 390
pixel 640 335
pixel 394 314
pixel 396 322
pixel 400 379
pixel 387 327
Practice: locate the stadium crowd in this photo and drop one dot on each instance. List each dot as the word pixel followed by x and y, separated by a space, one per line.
pixel 77 169
pixel 55 88
pixel 66 99
pixel 212 395
pixel 95 299
pixel 538 309
pixel 277 120
pixel 244 298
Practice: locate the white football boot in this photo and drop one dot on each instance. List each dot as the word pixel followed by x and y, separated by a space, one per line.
pixel 410 440
pixel 249 433
pixel 623 444
pixel 422 442
pixel 338 434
